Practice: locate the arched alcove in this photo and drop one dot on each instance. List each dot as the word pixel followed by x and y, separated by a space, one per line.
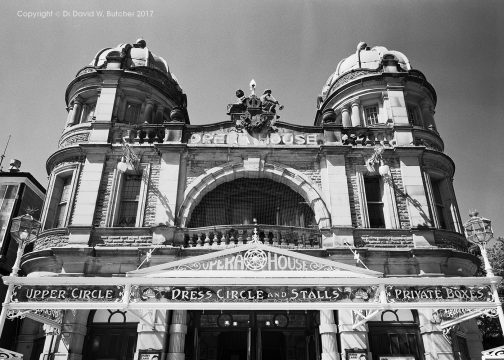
pixel 242 200
pixel 275 172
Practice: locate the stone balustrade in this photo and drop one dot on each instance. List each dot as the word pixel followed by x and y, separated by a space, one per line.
pixel 233 235
pixel 357 136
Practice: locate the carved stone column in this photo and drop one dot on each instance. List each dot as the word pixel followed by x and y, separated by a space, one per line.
pixel 351 338
pixel 345 117
pixel 70 343
pixel 148 112
pixel 356 118
pixel 152 331
pixel 328 330
pixel 178 331
pixel 158 118
pixel 435 344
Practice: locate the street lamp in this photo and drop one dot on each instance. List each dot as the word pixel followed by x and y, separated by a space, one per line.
pixel 478 231
pixel 24 229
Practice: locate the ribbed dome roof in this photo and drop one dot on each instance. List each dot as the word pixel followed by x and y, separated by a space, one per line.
pixel 134 55
pixel 366 58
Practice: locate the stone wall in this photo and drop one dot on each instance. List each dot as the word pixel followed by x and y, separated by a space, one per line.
pixel 104 192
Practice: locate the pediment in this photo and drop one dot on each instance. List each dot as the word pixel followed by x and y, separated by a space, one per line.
pixel 255 260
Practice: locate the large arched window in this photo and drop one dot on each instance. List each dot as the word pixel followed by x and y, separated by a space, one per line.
pixel 242 200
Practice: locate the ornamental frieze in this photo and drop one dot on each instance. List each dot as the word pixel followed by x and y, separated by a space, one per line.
pixel 265 294
pixel 257 260
pixel 439 293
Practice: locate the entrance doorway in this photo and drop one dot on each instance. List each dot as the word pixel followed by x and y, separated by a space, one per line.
pixel 253 335
pixel 111 342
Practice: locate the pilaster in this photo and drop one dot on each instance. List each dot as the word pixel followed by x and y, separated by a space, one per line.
pixel 152 335
pixel 85 199
pixel 351 338
pixel 416 198
pixel 436 346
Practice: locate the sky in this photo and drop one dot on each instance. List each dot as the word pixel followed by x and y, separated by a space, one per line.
pixel 290 46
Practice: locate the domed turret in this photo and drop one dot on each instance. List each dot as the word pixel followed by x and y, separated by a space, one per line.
pixel 127 56
pixel 376 88
pixel 367 60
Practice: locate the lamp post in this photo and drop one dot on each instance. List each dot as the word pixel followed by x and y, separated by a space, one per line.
pixel 24 229
pixel 478 230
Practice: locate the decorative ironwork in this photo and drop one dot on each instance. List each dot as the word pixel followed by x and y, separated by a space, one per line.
pixel 274 262
pixel 50 317
pixel 439 293
pixel 253 294
pixel 9 354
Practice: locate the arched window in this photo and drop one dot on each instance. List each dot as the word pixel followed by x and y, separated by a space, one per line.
pixel 242 200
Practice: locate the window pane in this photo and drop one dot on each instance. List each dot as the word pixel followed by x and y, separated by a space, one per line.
pixel 438 202
pixel 413 117
pixel 374 201
pixel 376 219
pixel 62 204
pixel 132 113
pixel 7 200
pixel 373 189
pixel 371 114
pixel 128 206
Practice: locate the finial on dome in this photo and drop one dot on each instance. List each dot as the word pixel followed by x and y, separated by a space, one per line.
pixel 141 43
pixel 252 87
pixel 361 46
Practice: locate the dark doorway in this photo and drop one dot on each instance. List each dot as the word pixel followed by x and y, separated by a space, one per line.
pixel 110 341
pixel 253 335
pixel 233 345
pixel 398 339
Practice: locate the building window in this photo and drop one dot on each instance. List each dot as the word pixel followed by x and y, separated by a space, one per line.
pixel 8 195
pixel 374 201
pixel 377 203
pixel 129 197
pixel 62 204
pixel 413 115
pixel 371 114
pixel 128 202
pixel 132 114
pixel 58 204
pixel 87 112
pixel 438 203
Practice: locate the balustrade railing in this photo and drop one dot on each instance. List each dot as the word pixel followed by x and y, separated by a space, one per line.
pixel 233 235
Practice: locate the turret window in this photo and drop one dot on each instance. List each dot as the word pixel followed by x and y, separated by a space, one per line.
pixel 129 194
pixel 132 115
pixel 62 205
pixel 371 114
pixel 374 200
pixel 58 204
pixel 377 203
pixel 128 203
pixel 87 112
pixel 414 115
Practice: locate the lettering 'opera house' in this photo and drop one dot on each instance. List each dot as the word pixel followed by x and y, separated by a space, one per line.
pixel 250 238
